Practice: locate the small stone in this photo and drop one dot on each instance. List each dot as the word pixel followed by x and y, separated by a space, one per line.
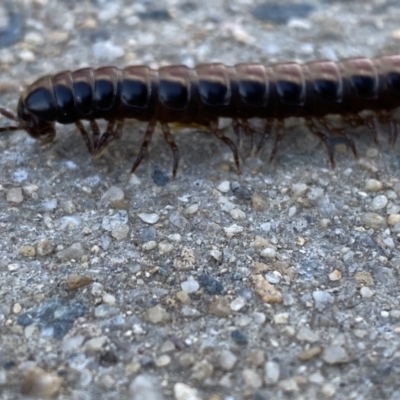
pixel 335 275
pixel 328 390
pixel 163 360
pixel 150 245
pixel 379 202
pixel 237 304
pixel 114 196
pixel 186 360
pixel 120 232
pixel 44 247
pixel 216 254
pixel 95 345
pixel 239 337
pixel 157 315
pixel 227 360
pixel 73 252
pixel 185 392
pixel 14 195
pixel 190 285
pixel 373 220
pixel 322 299
pixel 109 299
pixel 149 218
pixel 17 308
pixel 251 378
pixel 192 209
pixel 183 297
pixel 307 335
pixel 281 318
pixel 335 355
pixel 224 187
pixel 219 307
pixel 13 267
pixel 40 383
pixel 233 230
pixel 75 281
pixel 299 189
pixel 271 372
pixel 372 185
pixel 202 370
pixel 27 251
pixel 49 205
pixel 268 252
pixel 267 292
pixel 310 353
pixel 393 219
pixel 165 247
pixel 289 385
pixel 366 292
pixel 259 202
pixel 178 220
pixel 364 278
pixel 237 214
pixel 145 387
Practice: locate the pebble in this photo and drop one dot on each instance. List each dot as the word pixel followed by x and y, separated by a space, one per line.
pixel 224 187
pixel 239 337
pixel 307 335
pixel 267 292
pixel 227 360
pixel 190 285
pixel 237 214
pixel 144 387
pixel 335 355
pixel 120 232
pixel 183 391
pixel 13 267
pixel 364 278
pixel 178 220
pixel 48 206
pixel 44 247
pixel 27 251
pixel 238 303
pixel 379 202
pixel 299 189
pixel 17 308
pixel 118 219
pixel 233 230
pixel 73 252
pixel 192 209
pixel 393 219
pixel 251 378
pixel 14 195
pixel 114 195
pixel 269 252
pixel 41 384
pixel 165 247
pixel 259 202
pixel 183 297
pixel 373 220
pixel 157 315
pixel 321 299
pixel 328 390
pixel 372 185
pixel 281 318
pixel 255 358
pixel 335 275
pixel 75 281
pixel 216 254
pixel 366 292
pixel 109 299
pixel 202 370
pixel 310 353
pixel 289 385
pixel 95 345
pixel 150 219
pixel 163 361
pixel 150 245
pixel 219 307
pixel 107 50
pixel 271 372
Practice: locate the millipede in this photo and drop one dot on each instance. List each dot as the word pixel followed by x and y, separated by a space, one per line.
pixel 362 91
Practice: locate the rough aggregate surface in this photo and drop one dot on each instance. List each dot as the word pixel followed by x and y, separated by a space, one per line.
pixel 277 283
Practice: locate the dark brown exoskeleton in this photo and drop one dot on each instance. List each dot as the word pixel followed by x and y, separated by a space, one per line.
pixel 203 94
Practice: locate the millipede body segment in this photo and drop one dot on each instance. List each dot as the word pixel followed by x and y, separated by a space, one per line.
pixel 203 94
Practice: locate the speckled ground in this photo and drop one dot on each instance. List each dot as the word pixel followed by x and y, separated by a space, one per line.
pixel 277 283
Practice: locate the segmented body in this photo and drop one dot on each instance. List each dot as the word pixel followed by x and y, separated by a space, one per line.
pixel 207 92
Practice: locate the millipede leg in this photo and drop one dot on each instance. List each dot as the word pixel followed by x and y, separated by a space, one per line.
pixel 8 114
pixel 278 138
pixel 372 124
pixel 226 140
pixel 238 129
pixel 174 148
pixel 85 136
pixel 393 131
pixel 95 133
pixel 143 149
pixel 325 139
pixel 265 135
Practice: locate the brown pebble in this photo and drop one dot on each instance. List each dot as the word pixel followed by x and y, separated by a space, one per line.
pixel 220 307
pixel 259 202
pixel 40 383
pixel 267 292
pixel 364 278
pixel 310 353
pixel 77 281
pixel 27 251
pixel 44 247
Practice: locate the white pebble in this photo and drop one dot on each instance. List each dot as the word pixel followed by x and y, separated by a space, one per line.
pixel 232 230
pixel 216 254
pixel 149 218
pixel 185 392
pixel 150 245
pixel 165 247
pixel 190 285
pixel 237 214
pixel 268 252
pixel 238 303
pixel 224 187
pixel 366 292
pixel 379 202
pixel 192 209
